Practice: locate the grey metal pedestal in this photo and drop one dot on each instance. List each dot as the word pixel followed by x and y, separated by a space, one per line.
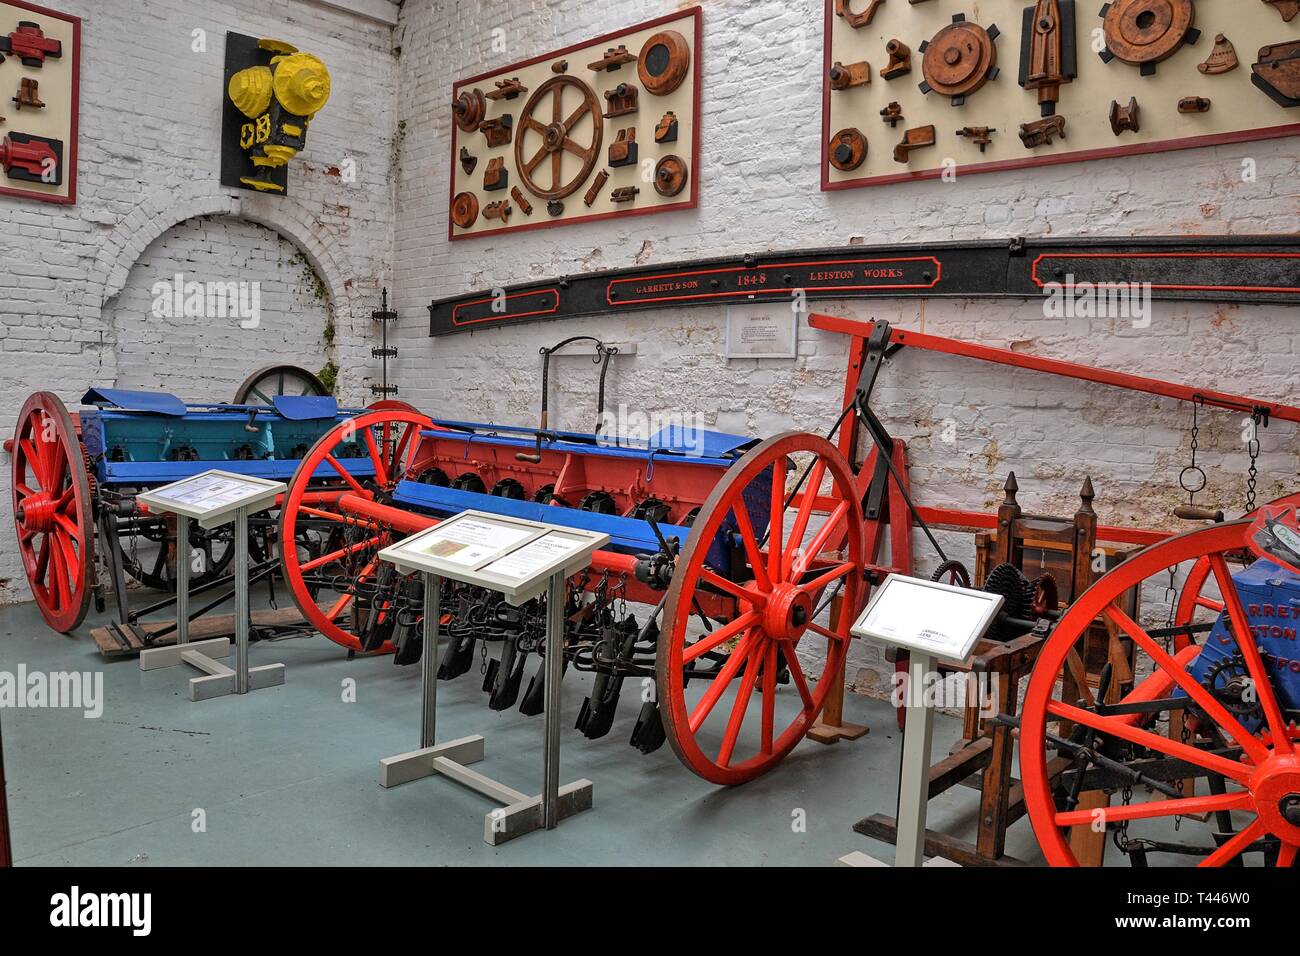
pixel 219 680
pixel 519 813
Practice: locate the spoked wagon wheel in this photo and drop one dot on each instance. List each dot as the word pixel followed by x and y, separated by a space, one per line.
pixel 328 554
pixel 1193 599
pixel 52 511
pixel 266 383
pixel 556 137
pixel 707 678
pixel 1253 772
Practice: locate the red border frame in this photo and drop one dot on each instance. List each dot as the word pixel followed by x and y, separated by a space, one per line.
pixel 70 155
pixel 1056 159
pixel 695 12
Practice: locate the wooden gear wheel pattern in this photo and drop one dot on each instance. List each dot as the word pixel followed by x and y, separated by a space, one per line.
pixel 664 62
pixel 960 59
pixel 1145 32
pixel 53 511
pixel 556 137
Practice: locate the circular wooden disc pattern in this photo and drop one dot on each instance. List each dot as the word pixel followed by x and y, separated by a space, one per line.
pixel 1147 31
pixel 464 210
pixel 468 109
pixel 958 60
pixel 671 175
pixel 663 62
pixel 848 149
pixel 543 160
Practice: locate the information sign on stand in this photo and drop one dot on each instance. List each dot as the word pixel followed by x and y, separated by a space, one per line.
pixel 520 560
pixel 931 621
pixel 213 498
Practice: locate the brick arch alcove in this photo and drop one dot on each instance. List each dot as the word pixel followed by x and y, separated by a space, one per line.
pixel 132 236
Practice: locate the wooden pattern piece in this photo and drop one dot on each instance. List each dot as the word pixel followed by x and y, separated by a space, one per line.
pixel 848 149
pixel 556 137
pixel 671 175
pixel 1222 59
pixel 1146 32
pixel 1277 73
pixel 960 59
pixel 843 8
pixel 664 63
pixel 464 210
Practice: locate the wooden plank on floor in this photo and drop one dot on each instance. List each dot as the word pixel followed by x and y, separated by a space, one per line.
pixel 116 641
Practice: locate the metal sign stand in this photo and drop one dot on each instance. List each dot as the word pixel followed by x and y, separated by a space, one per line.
pixel 962 628
pixel 220 680
pixel 519 813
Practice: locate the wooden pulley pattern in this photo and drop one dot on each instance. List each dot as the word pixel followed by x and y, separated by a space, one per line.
pixel 848 149
pixel 664 62
pixel 960 59
pixel 468 109
pixel 671 175
pixel 1146 32
pixel 544 137
pixel 464 210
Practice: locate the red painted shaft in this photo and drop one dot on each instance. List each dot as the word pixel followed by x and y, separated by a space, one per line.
pixel 1086 373
pixel 409 523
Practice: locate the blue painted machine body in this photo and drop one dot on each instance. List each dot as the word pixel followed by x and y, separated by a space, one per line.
pixel 1270 594
pixel 142 439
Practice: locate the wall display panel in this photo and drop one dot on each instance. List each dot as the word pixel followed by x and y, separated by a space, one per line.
pixel 916 89
pixel 40 67
pixel 601 129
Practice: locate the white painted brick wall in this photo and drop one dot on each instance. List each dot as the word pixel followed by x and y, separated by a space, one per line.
pixel 759 190
pixel 149 159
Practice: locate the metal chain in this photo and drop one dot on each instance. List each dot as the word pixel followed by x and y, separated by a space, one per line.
pixel 1252 474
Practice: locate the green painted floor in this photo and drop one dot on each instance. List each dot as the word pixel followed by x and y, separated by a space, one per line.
pixel 288 775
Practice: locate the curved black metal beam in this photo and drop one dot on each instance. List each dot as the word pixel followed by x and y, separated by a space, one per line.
pixel 1239 269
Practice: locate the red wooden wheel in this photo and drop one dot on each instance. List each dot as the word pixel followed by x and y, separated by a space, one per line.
pixel 1260 769
pixel 707 681
pixel 327 554
pixel 52 511
pixel 1192 597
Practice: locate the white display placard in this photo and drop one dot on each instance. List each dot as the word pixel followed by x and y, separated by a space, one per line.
pixel 472 541
pixel 212 497
pixel 512 556
pixel 762 330
pixel 928 617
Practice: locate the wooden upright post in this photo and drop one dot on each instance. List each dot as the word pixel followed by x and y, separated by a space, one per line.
pixel 830 727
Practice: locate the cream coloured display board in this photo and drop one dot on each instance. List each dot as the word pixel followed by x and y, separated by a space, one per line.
pixel 38 144
pixel 1238 110
pixel 553 127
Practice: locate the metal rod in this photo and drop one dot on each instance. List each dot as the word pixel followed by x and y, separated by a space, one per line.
pixel 914 778
pixel 551 721
pixel 182 579
pixel 1086 373
pixel 429 660
pixel 240 544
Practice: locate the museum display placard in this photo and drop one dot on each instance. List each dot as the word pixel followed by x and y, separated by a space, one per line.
pixel 927 617
pixel 212 497
pixel 40 81
pixel 597 130
pixel 914 91
pixel 513 556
